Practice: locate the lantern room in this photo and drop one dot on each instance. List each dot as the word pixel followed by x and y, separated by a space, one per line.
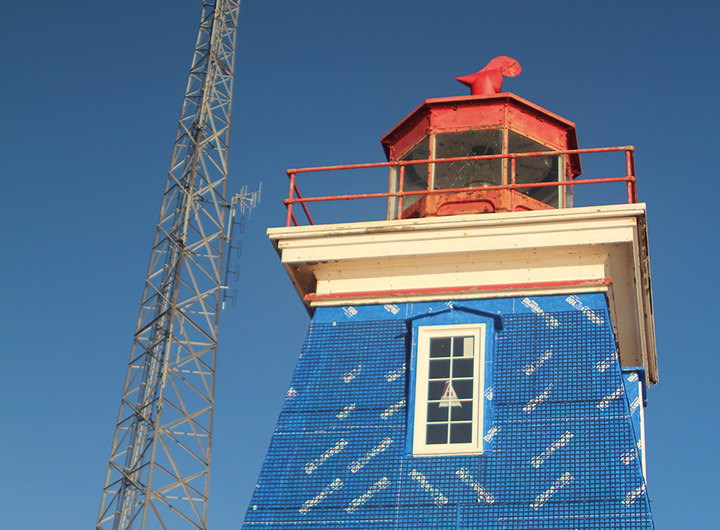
pixel 473 140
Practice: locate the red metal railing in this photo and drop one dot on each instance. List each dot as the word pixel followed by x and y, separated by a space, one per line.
pixel 296 198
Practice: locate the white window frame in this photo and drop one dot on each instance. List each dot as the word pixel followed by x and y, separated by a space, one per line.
pixel 422 375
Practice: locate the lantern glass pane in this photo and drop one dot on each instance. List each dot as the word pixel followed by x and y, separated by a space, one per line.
pixel 535 169
pixel 470 173
pixel 416 175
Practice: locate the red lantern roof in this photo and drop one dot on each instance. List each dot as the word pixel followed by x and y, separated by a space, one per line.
pixel 497 111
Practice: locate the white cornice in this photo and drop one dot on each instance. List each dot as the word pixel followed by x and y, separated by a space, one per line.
pixel 601 248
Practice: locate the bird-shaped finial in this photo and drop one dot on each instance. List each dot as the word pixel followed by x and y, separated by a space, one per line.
pixel 488 81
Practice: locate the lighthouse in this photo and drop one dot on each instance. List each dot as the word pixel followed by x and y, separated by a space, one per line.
pixel 480 357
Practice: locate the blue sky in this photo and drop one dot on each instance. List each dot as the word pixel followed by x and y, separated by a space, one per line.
pixel 90 94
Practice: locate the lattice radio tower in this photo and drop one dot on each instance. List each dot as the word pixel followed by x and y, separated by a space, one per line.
pixel 160 461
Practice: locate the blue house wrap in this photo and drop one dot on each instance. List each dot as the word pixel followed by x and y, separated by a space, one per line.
pixel 560 446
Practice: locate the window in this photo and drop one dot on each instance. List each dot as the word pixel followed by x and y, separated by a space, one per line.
pixel 449 389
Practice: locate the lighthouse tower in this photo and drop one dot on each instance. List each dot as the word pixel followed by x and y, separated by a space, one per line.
pixel 479 358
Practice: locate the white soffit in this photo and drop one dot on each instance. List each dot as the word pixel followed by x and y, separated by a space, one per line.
pixel 601 248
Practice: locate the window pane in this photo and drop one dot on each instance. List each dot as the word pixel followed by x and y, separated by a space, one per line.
pixel 463 388
pixel 463 347
pixel 462 413
pixel 461 433
pixel 462 368
pixel 458 347
pixel 437 434
pixel 435 390
pixel 436 412
pixel 440 347
pixel 439 369
pixel 469 346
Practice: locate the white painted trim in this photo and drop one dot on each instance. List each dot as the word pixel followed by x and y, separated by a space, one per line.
pixel 425 223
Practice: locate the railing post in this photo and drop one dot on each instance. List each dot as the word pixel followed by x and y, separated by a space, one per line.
pixel 390 199
pixel 401 186
pixel 629 174
pixel 290 196
pixel 562 177
pixel 512 183
pixel 632 166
